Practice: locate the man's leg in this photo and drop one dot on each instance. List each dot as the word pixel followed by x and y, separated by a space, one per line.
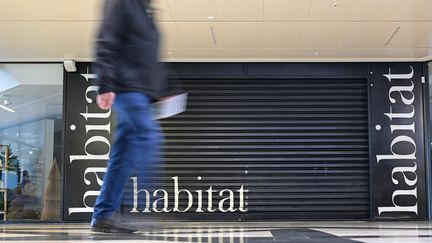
pixel 135 141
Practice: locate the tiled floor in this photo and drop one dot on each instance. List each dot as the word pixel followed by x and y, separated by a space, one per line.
pixel 296 232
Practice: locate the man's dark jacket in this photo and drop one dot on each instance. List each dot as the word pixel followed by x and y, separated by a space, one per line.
pixel 127 50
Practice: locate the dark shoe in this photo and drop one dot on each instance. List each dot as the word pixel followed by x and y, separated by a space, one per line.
pixel 110 225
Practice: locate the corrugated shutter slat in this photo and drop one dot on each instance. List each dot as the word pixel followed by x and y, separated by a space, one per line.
pixel 300 147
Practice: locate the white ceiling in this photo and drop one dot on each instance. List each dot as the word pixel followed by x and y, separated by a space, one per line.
pixel 31 103
pixel 33 91
pixel 245 30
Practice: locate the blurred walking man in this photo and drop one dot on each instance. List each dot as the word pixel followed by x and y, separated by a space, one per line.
pixel 130 78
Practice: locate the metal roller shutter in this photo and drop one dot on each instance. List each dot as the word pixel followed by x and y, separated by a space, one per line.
pixel 299 146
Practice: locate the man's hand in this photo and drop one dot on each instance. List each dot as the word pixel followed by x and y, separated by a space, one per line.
pixel 106 100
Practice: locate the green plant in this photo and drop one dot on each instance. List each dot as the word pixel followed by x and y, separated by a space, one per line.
pixel 12 161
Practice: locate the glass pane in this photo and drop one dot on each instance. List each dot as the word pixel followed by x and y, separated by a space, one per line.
pixel 31 131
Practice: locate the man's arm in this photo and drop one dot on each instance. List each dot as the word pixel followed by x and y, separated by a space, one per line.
pixel 108 43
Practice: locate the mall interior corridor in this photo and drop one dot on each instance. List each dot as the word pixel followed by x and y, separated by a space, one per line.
pixel 216 121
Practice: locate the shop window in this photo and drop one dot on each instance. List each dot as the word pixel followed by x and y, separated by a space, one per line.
pixel 31 130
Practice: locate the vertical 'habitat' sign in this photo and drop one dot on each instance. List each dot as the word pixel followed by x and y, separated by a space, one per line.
pixel 397 141
pixel 88 135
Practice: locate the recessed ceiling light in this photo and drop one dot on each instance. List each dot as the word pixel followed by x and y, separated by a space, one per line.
pixel 6 100
pixel 210 17
pixel 316 53
pixel 169 53
pixel 335 4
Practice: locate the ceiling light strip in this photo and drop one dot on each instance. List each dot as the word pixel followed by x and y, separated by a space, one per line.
pixel 7 109
pixel 213 36
pixel 392 35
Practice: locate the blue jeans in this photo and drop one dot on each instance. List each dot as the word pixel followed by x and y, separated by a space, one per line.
pixel 137 141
